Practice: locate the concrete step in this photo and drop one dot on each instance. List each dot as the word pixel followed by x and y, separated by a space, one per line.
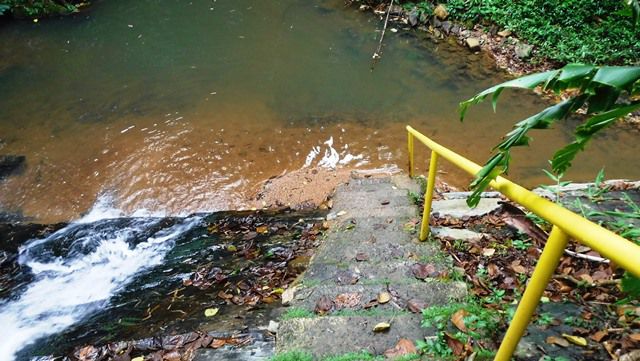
pixel 431 292
pixel 457 208
pixel 455 233
pixel 381 272
pixel 383 247
pixel 329 336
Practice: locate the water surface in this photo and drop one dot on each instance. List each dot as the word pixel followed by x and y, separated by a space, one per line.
pixel 175 107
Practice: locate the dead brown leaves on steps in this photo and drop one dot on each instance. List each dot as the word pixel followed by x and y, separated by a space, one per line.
pixel 402 348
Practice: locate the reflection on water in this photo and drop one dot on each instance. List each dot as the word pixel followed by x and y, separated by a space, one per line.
pixel 176 107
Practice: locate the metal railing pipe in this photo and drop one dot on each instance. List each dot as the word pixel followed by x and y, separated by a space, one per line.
pixel 608 244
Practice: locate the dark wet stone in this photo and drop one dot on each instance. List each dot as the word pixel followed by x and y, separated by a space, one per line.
pixel 413 17
pixel 11 165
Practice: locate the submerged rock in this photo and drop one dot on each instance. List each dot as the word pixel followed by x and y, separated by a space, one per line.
pixel 11 164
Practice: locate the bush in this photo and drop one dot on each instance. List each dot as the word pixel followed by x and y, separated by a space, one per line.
pixel 37 8
pixel 587 31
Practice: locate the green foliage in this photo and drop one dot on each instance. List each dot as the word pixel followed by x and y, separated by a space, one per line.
pixel 356 356
pixel 599 92
pixel 545 319
pixel 424 8
pixel 481 323
pixel 293 356
pixel 590 31
pixel 37 8
pixel 295 312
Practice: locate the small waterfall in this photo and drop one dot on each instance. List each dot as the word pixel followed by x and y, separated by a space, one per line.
pixel 77 269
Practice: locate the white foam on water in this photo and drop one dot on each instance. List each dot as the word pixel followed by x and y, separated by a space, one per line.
pixel 332 158
pixel 65 290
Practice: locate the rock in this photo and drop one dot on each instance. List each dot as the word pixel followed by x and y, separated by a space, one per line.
pixel 396 10
pixel 473 43
pixel 424 18
pixel 11 164
pixel 441 12
pixel 437 23
pixel 413 17
pixel 446 27
pixel 523 51
pixel 455 30
pixel 504 33
pixel 288 295
pixel 273 326
pixel 298 264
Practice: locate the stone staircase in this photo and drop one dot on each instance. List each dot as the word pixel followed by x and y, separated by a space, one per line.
pixel 371 248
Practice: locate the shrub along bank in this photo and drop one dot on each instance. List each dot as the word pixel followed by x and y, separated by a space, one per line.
pixel 38 8
pixel 565 31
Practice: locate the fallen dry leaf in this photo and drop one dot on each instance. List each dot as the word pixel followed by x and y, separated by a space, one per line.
pixel 416 306
pixel 423 271
pixel 218 342
pixel 458 320
pixel 517 267
pixel 598 336
pixel 347 300
pixel 576 340
pixel 361 257
pixel 635 337
pixel 384 297
pixel 324 305
pixel 262 229
pixel 488 252
pixel 210 312
pixel 382 326
pixel 454 344
pixel 554 340
pixel 403 347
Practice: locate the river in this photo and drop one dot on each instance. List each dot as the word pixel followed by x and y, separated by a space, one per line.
pixel 131 112
pixel 177 107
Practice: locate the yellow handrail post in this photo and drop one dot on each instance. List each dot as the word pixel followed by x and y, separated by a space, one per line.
pixel 410 148
pixel 428 196
pixel 541 276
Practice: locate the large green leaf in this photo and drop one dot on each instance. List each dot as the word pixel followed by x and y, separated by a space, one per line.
pixel 598 87
pixel 617 76
pixel 525 82
pixel 631 285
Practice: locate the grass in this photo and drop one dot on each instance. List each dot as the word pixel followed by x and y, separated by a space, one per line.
pixel 297 312
pixel 296 355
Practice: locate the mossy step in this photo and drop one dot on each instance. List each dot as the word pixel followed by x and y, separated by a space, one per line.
pixel 431 292
pixel 372 272
pixel 330 335
pixel 377 199
pixel 377 248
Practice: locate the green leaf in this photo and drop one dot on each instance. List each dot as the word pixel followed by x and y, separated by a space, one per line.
pixel 604 119
pixel 631 285
pixel 3 8
pixel 525 82
pixel 617 76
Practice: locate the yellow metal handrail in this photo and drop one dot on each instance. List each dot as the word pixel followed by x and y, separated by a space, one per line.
pixel 565 224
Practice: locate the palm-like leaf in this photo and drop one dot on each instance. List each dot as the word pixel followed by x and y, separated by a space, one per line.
pixel 599 88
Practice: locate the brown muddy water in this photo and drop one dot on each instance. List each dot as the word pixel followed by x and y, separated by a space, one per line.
pixel 174 107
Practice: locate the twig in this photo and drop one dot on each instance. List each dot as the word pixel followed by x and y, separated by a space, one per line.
pixel 378 52
pixel 587 257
